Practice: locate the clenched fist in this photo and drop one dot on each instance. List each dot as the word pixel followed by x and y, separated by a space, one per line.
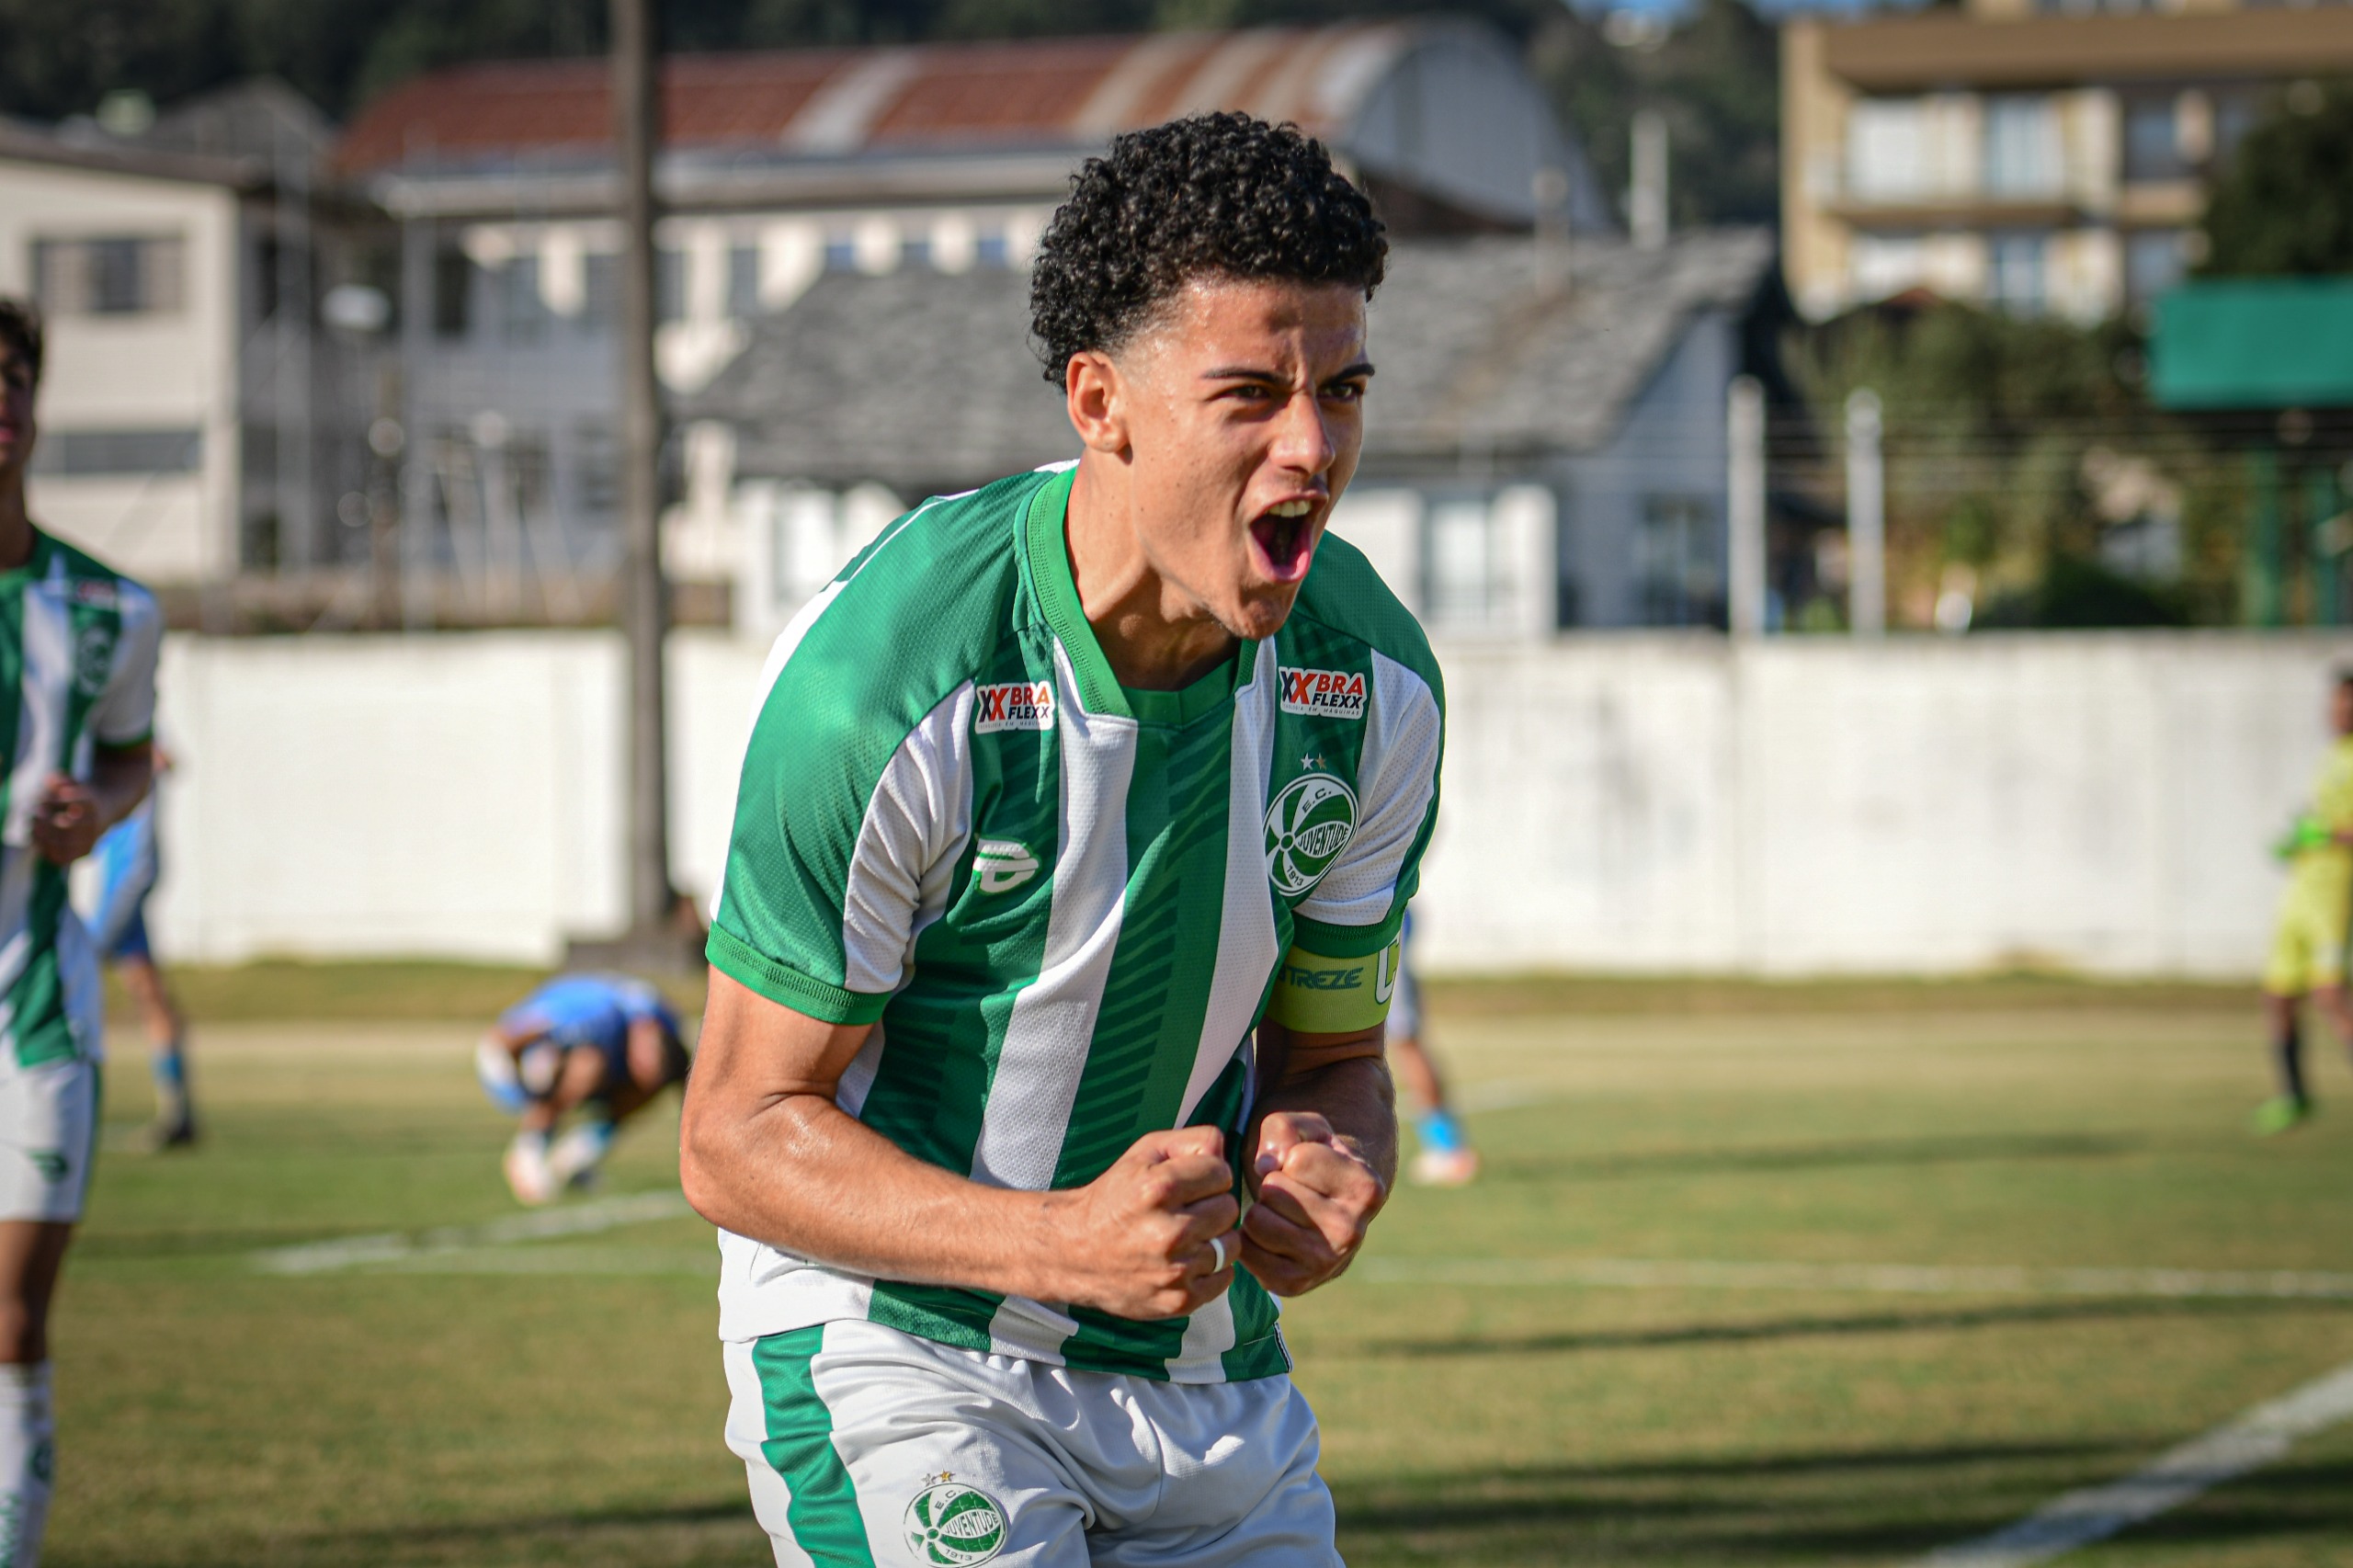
pixel 1317 1195
pixel 1151 1237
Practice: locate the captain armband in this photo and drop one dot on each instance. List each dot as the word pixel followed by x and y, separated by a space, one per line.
pixel 1314 995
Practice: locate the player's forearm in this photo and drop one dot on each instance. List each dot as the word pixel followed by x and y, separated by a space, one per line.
pixel 1357 1096
pixel 803 1175
pixel 120 778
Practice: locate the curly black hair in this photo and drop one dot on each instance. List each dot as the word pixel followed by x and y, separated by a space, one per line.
pixel 1220 195
pixel 20 329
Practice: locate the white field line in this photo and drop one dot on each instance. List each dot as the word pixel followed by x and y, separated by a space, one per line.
pixel 1875 1278
pixel 1506 1093
pixel 397 1249
pixel 2261 1437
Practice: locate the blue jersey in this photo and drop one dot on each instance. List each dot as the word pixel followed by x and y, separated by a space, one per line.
pixel 591 1012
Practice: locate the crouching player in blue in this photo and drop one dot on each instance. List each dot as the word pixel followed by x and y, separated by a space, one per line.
pixel 599 1044
pixel 129 863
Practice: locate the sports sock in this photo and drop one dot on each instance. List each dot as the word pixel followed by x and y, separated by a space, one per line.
pixel 579 1152
pixel 2288 1055
pixel 27 1462
pixel 168 1067
pixel 1438 1131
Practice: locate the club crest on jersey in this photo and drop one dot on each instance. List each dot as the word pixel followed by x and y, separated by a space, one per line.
pixel 1001 865
pixel 954 1525
pixel 1329 694
pixel 1308 825
pixel 1014 705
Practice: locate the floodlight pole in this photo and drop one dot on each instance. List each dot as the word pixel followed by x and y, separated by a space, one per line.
pixel 1745 505
pixel 1866 518
pixel 644 593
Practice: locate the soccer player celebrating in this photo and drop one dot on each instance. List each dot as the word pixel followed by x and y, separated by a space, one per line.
pixel 2308 947
pixel 80 642
pixel 129 861
pixel 601 1044
pixel 1063 788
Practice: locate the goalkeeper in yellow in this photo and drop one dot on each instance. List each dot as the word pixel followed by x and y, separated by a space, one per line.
pixel 2308 951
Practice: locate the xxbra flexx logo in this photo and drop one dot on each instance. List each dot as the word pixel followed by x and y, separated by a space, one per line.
pixel 1330 693
pixel 1012 704
pixel 1310 823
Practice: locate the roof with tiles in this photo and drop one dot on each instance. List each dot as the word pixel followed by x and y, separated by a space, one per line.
pixel 1047 92
pixel 1519 346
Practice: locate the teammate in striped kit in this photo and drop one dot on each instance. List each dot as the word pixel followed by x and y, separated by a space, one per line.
pixel 79 644
pixel 1072 845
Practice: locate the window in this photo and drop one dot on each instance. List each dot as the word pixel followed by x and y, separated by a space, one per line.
pixel 743 282
pixel 109 276
pixel 523 310
pixel 2153 139
pixel 1462 561
pixel 596 470
pixel 841 253
pixel 992 249
pixel 1880 266
pixel 916 252
pixel 669 285
pixel 2021 146
pixel 2154 260
pixel 1678 569
pixel 1887 154
pixel 453 282
pixel 97 454
pixel 600 291
pixel 2014 272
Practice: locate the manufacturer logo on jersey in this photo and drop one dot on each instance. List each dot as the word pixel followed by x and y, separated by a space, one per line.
pixel 1309 824
pixel 1384 973
pixel 93 659
pixel 1015 704
pixel 1330 693
pixel 1001 865
pixel 91 591
pixel 53 1164
pixel 954 1525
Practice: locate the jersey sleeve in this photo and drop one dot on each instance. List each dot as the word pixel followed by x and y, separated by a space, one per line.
pixel 840 855
pixel 1341 970
pixel 124 714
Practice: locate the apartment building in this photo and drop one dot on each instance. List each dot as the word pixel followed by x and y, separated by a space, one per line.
pixel 2034 155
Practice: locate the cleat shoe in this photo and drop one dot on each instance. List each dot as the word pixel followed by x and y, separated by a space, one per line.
pixel 1445 1168
pixel 527 1176
pixel 2279 1114
pixel 166 1134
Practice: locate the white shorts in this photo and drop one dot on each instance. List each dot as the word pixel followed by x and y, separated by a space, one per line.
pixel 865 1444
pixel 49 1133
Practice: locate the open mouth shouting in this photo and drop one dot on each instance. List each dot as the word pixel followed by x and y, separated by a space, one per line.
pixel 1283 539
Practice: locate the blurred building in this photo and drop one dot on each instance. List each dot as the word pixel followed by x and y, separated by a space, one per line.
pixel 189 403
pixel 2032 155
pixel 1545 441
pixel 932 161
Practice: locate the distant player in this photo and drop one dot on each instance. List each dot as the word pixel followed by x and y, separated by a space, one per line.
pixel 129 861
pixel 1077 817
pixel 2308 948
pixel 78 644
pixel 602 1045
pixel 1446 1157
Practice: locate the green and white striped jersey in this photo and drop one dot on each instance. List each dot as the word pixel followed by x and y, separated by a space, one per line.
pixel 1066 903
pixel 78 666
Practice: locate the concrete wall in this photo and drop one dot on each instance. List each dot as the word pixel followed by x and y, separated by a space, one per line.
pixel 1642 801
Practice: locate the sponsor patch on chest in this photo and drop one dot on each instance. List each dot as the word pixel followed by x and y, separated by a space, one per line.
pixel 1331 694
pixel 1014 705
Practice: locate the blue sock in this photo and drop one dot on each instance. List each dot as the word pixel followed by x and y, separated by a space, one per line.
pixel 1439 1132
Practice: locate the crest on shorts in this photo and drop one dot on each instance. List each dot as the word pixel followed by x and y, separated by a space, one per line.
pixel 1308 825
pixel 950 1525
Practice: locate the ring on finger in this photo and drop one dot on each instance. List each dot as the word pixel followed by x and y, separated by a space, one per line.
pixel 1217 1250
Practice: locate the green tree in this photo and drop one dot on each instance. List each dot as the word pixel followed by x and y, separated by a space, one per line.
pixel 2284 205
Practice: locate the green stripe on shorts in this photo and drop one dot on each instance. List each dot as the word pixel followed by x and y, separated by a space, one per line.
pixel 800 1446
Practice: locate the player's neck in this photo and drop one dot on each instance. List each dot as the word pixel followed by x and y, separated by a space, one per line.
pixel 1155 636
pixel 16 522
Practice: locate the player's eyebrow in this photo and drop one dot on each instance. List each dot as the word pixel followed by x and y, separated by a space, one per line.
pixel 1250 373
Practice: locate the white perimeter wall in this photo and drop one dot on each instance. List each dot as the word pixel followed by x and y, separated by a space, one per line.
pixel 1617 803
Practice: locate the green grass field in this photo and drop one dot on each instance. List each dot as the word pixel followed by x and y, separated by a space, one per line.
pixel 559 1401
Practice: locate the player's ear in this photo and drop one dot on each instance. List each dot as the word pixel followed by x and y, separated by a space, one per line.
pixel 1098 398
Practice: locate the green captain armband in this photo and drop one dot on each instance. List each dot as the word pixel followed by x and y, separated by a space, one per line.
pixel 1318 995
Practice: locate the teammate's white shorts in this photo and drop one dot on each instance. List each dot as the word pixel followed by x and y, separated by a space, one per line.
pixel 865 1445
pixel 49 1133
